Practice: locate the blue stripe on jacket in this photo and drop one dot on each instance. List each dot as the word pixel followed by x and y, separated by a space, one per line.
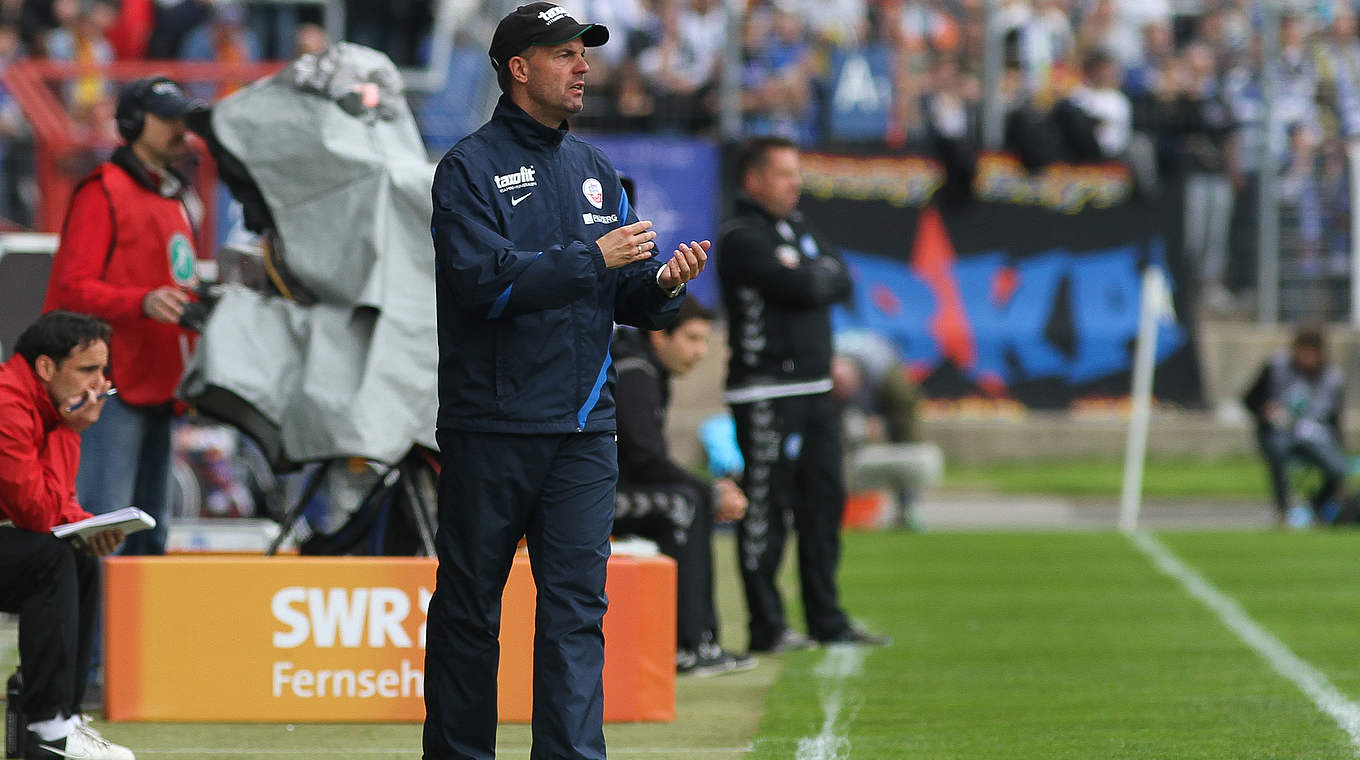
pixel 594 397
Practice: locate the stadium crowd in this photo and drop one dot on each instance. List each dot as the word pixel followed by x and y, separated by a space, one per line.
pixel 1177 92
pixel 98 32
pixel 1174 88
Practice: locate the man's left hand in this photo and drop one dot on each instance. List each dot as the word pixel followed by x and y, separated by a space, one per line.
pixel 105 542
pixel 685 264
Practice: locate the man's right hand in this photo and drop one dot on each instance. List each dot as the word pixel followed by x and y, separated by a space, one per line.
pixel 624 245
pixel 1275 414
pixel 88 412
pixel 104 543
pixel 731 501
pixel 165 304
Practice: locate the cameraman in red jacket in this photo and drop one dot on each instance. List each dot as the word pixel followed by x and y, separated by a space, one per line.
pixel 59 362
pixel 127 257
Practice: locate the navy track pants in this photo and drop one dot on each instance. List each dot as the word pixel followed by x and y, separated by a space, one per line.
pixel 557 491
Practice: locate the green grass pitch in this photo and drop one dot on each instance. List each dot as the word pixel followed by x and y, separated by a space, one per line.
pixel 1063 645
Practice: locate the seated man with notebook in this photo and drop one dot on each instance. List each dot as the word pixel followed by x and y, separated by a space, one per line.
pixel 659 499
pixel 50 391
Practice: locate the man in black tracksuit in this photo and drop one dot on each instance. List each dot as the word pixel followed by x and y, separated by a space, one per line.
pixel 660 500
pixel 537 254
pixel 779 282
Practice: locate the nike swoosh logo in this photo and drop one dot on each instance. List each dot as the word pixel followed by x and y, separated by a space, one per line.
pixel 515 201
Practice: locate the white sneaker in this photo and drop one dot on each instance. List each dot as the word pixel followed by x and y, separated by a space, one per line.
pixel 83 745
pixel 86 722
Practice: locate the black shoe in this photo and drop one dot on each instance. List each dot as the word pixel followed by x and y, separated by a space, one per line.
pixel 857 637
pixel 742 662
pixel 709 660
pixel 788 641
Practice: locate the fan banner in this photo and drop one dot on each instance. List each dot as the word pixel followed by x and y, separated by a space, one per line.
pixel 1026 291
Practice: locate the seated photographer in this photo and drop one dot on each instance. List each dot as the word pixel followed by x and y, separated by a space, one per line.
pixel 1296 401
pixel 59 363
pixel 660 500
pixel 881 422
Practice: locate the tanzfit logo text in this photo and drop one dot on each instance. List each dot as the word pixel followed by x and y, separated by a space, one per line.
pixel 552 14
pixel 516 180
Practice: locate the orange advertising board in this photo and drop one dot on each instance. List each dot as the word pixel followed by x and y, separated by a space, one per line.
pixel 309 639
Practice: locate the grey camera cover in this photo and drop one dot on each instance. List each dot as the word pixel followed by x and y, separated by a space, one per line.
pixel 331 143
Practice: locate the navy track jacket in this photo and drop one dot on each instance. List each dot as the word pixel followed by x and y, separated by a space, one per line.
pixel 526 305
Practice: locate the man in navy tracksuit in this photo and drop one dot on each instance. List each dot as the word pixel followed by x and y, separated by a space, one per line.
pixel 537 254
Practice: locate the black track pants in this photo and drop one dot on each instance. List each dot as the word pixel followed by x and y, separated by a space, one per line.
pixel 792 448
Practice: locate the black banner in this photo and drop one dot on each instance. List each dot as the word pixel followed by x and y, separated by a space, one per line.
pixel 1029 291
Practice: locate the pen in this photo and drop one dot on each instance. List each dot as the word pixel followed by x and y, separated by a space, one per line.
pixel 100 397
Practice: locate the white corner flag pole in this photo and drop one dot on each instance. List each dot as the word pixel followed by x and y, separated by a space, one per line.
pixel 1154 305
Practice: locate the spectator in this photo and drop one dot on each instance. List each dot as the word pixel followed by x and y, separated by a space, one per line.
pixel 1300 201
pixel 1028 130
pixel 839 23
pixel 625 19
pixel 35 19
pixel 1209 154
pixel 81 39
pixel 1296 401
pixel 661 500
pixel 53 587
pixel 920 26
pixel 127 256
pixel 1145 75
pixel 311 39
pixel 777 71
pixel 399 28
pixel 634 107
pixel 1124 37
pixel 174 20
pixel 1336 58
pixel 131 35
pixel 16 151
pixel 225 39
pixel 1096 26
pixel 1296 76
pixel 1334 188
pixel 683 66
pixel 1041 37
pixel 950 112
pixel 1097 119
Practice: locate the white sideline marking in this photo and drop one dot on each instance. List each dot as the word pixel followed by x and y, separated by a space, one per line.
pixel 409 750
pixel 1310 680
pixel 839 664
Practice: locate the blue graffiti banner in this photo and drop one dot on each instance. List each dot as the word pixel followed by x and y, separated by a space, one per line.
pixel 1031 293
pixel 673 177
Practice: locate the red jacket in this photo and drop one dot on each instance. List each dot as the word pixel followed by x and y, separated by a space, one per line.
pixel 38 454
pixel 121 240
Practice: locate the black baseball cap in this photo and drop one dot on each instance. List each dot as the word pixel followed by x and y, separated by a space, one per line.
pixel 540 24
pixel 158 95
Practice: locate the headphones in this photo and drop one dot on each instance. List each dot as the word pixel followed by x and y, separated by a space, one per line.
pixel 130 115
